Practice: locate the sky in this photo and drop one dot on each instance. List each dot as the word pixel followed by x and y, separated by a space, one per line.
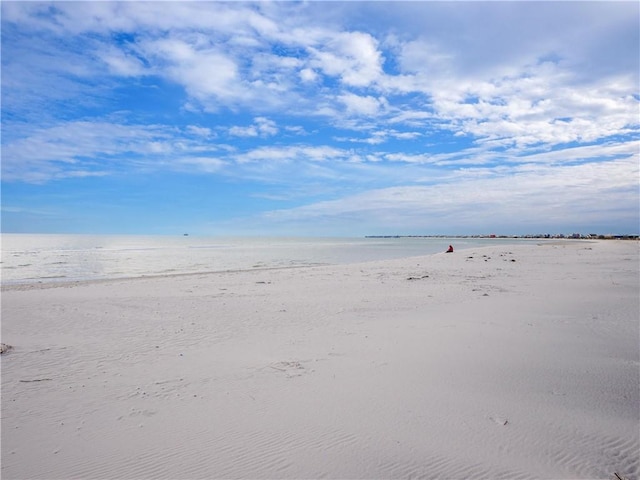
pixel 320 118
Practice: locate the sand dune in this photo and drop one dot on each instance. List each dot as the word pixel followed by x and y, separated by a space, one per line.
pixel 499 362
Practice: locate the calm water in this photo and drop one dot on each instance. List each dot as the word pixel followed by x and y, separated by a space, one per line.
pixel 29 258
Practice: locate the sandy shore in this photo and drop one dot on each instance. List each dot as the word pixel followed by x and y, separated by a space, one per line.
pixel 499 362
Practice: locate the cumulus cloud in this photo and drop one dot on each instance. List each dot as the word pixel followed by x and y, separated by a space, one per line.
pixel 519 97
pixel 204 72
pixel 352 56
pixel 361 105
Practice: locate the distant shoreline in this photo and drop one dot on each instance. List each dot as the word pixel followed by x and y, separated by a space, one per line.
pixel 575 236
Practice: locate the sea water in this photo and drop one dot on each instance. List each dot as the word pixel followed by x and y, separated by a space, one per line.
pixel 50 258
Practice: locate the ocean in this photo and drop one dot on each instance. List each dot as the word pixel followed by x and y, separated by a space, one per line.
pixel 59 258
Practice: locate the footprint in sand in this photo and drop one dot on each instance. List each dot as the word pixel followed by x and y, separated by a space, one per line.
pixel 499 420
pixel 290 368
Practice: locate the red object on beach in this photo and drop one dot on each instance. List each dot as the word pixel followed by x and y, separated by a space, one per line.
pixel 450 250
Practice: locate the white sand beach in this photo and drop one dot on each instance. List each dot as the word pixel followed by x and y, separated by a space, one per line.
pixel 496 362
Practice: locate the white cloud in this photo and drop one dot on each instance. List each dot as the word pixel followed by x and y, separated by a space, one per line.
pixel 308 75
pixel 266 127
pixel 543 104
pixel 420 158
pixel 419 56
pixel 262 127
pixel 82 148
pixel 496 95
pixel 549 195
pixel 361 105
pixel 250 131
pixel 103 17
pixel 294 152
pixel 202 164
pixel 591 153
pixel 296 129
pixel 221 54
pixel 352 56
pixel 122 63
pixel 376 138
pixel 199 131
pixel 204 72
pixel 405 135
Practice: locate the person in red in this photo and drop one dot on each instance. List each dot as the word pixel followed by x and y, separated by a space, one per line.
pixel 450 250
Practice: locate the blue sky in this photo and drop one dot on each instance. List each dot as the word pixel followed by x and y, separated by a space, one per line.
pixel 320 118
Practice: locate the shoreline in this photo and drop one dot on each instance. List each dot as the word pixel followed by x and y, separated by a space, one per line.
pixel 510 361
pixel 63 282
pixel 47 284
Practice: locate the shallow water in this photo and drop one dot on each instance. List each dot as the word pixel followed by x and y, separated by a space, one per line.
pixel 29 258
